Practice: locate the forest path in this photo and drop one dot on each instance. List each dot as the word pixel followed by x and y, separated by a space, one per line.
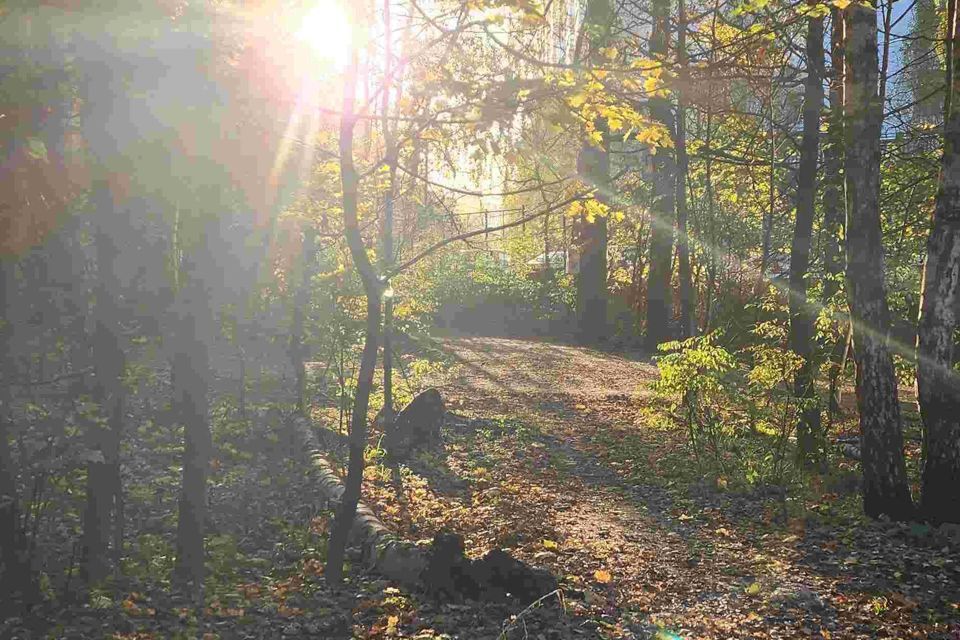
pixel 555 452
pixel 588 455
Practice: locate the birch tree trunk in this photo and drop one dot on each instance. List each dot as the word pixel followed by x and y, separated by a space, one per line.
pixel 885 490
pixel 938 381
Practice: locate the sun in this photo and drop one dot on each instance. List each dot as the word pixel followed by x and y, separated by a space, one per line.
pixel 326 32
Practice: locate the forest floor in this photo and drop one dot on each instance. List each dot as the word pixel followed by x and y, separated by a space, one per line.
pixel 563 456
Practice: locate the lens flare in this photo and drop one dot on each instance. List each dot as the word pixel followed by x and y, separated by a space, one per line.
pixel 326 31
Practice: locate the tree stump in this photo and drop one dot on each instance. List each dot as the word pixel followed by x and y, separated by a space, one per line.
pixel 497 576
pixel 417 425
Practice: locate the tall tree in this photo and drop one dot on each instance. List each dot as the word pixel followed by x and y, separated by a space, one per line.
pixel 938 381
pixel 688 304
pixel 192 332
pixel 372 288
pixel 104 498
pixel 593 165
pixel 802 316
pixel 301 302
pixel 833 200
pixel 659 304
pixel 885 490
pixel 16 577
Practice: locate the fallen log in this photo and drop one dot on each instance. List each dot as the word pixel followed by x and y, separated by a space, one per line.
pixel 440 568
pixel 387 554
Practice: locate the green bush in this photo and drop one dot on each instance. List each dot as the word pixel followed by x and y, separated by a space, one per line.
pixel 736 405
pixel 476 292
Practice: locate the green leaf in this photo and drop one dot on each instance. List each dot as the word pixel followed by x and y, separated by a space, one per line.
pixel 37 149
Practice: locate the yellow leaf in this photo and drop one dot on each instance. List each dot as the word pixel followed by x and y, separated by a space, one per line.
pixel 841 4
pixel 550 544
pixel 753 589
pixel 602 576
pixel 392 623
pixel 577 100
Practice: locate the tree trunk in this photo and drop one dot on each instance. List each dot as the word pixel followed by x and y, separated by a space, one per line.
pixel 593 164
pixel 834 210
pixel 368 360
pixel 802 316
pixel 767 241
pixel 389 199
pixel 885 490
pixel 191 375
pixel 664 194
pixel 688 304
pixel 938 382
pixel 102 512
pixel 298 351
pixel 17 578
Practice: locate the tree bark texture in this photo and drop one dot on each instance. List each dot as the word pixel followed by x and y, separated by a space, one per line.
pixel 938 380
pixel 802 315
pixel 885 489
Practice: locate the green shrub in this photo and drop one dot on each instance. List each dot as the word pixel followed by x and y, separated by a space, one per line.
pixel 736 405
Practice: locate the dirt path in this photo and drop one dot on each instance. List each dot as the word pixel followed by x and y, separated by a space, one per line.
pixel 553 451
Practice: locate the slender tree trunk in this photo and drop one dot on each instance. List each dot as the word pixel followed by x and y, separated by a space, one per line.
pixel 688 304
pixel 103 437
pixel 772 200
pixel 713 248
pixel 368 359
pixel 659 303
pixel 802 317
pixel 885 489
pixel 298 350
pixel 834 203
pixel 938 382
pixel 17 580
pixel 389 200
pixel 191 376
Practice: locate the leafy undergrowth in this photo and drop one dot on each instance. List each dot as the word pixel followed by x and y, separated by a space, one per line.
pixel 266 548
pixel 557 454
